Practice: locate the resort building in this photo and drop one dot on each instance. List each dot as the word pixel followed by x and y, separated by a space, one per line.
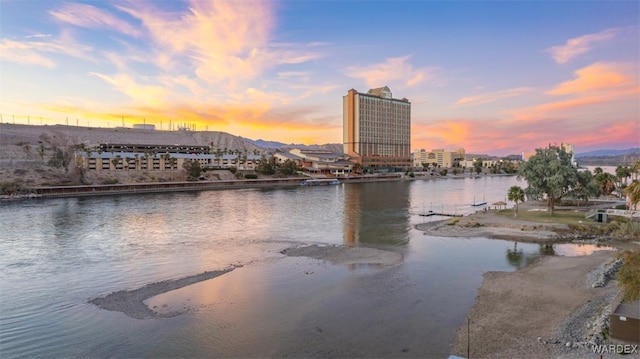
pixel 377 129
pixel 318 161
pixel 437 158
pixel 109 157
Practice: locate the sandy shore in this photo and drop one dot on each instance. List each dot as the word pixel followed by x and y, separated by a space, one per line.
pixel 514 309
pixel 547 309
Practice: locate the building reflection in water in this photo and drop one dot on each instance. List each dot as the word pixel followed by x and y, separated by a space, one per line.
pixel 376 213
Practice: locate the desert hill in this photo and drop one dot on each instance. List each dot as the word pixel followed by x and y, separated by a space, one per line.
pixel 23 162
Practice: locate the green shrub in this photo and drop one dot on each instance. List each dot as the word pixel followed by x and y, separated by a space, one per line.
pixel 14 188
pixel 251 176
pixel 110 181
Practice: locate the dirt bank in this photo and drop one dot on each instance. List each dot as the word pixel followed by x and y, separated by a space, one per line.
pixel 514 309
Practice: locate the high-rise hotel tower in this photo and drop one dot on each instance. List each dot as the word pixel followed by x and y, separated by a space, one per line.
pixel 377 128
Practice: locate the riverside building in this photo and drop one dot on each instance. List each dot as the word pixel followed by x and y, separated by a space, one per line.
pixel 377 129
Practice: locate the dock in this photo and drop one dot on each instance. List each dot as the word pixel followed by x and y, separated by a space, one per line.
pixel 430 213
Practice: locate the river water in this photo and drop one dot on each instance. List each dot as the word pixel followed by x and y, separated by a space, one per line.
pixel 56 255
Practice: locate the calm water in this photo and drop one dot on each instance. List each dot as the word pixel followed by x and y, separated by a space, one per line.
pixel 55 255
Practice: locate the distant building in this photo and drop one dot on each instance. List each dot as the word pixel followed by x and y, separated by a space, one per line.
pixel 377 129
pixel 570 149
pixel 142 126
pixel 318 161
pixel 438 158
pixel 110 157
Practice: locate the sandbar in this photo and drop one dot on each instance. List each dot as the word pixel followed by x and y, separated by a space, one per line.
pixel 131 302
pixel 344 255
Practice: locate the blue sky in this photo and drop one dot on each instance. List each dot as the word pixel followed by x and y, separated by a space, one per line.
pixel 491 77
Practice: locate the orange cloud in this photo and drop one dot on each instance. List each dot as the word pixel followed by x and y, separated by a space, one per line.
pixel 607 88
pixel 598 76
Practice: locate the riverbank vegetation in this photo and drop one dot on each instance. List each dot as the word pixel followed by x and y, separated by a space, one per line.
pixel 629 275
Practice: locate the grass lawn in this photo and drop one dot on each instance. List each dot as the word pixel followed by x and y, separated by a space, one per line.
pixel 562 216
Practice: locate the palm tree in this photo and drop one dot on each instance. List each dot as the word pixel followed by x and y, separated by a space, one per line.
pixel 633 193
pixel 623 173
pixel 516 194
pixel 606 181
pixel 635 169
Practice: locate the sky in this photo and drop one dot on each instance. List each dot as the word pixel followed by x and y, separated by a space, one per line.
pixel 493 77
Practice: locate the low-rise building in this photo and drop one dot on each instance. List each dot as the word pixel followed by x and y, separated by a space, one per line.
pixel 437 158
pixel 318 161
pixel 108 157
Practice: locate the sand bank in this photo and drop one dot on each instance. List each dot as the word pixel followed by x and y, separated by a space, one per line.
pixel 131 302
pixel 524 313
pixel 489 224
pixel 341 255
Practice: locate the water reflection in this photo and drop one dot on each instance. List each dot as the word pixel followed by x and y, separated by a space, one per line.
pixel 578 249
pixel 515 256
pixel 376 213
pixel 546 249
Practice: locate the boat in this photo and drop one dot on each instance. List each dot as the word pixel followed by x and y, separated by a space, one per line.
pixel 320 182
pixel 474 204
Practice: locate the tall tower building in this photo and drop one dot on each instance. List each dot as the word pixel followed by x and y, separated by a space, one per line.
pixel 377 128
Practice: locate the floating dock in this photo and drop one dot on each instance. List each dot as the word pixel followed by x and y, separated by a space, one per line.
pixel 430 213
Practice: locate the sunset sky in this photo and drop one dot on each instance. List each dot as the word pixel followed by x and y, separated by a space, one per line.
pixel 491 77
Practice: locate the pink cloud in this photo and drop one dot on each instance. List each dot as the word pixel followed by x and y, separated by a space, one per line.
pixel 579 45
pixel 395 70
pixel 492 96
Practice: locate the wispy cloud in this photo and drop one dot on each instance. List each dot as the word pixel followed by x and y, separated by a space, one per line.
pixel 88 16
pixel 23 53
pixel 579 45
pixel 492 96
pixel 143 94
pixel 33 52
pixel 395 70
pixel 37 36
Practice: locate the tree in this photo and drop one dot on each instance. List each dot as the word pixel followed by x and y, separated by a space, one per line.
pixel 635 169
pixel 623 173
pixel 115 161
pixel 193 169
pixel 586 187
pixel 633 193
pixel 478 166
pixel 629 275
pixel 516 194
pixel 288 167
pixel 550 173
pixel 357 168
pixel 218 154
pixel 606 181
pixel 266 166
